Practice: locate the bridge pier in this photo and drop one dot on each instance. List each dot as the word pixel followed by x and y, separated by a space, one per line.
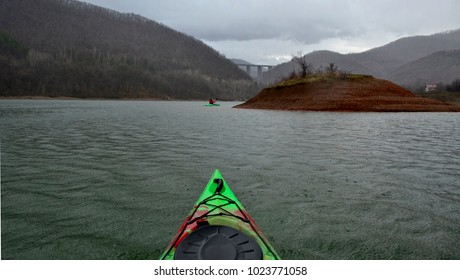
pixel 260 69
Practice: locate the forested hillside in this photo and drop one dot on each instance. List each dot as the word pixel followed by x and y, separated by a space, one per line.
pixel 71 48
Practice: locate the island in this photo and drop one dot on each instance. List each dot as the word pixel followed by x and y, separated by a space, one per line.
pixel 343 93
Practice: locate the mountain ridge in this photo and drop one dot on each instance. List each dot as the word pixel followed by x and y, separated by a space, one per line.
pixel 439 67
pixel 380 61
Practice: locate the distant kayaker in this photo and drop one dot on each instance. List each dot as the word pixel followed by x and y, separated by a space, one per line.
pixel 211 101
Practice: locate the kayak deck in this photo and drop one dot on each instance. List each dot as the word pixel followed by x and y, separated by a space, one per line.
pixel 218 227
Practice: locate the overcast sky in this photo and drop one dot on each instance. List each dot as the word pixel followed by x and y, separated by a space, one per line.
pixel 271 31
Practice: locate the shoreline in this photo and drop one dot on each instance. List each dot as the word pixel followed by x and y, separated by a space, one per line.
pixel 353 93
pixel 106 99
pixel 30 97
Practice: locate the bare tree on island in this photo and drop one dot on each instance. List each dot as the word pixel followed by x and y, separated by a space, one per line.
pixel 306 68
pixel 331 69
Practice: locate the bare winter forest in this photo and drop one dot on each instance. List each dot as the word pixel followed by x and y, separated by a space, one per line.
pixel 75 49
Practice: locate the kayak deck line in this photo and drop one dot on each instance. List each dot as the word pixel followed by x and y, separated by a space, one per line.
pixel 218 227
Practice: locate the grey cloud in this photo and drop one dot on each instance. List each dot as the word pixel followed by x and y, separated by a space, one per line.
pixel 304 22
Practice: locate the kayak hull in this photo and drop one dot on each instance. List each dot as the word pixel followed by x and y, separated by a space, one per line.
pixel 212 105
pixel 218 211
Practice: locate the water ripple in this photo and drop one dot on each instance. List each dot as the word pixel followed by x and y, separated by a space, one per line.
pixel 114 179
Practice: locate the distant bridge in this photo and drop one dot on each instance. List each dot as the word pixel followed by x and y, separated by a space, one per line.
pixel 260 69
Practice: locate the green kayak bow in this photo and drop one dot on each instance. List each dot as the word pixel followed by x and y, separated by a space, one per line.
pixel 219 228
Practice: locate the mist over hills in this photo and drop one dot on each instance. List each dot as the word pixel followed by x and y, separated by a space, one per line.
pixel 71 48
pixel 396 61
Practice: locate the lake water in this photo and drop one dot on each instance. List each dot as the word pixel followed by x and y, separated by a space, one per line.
pixel 114 179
